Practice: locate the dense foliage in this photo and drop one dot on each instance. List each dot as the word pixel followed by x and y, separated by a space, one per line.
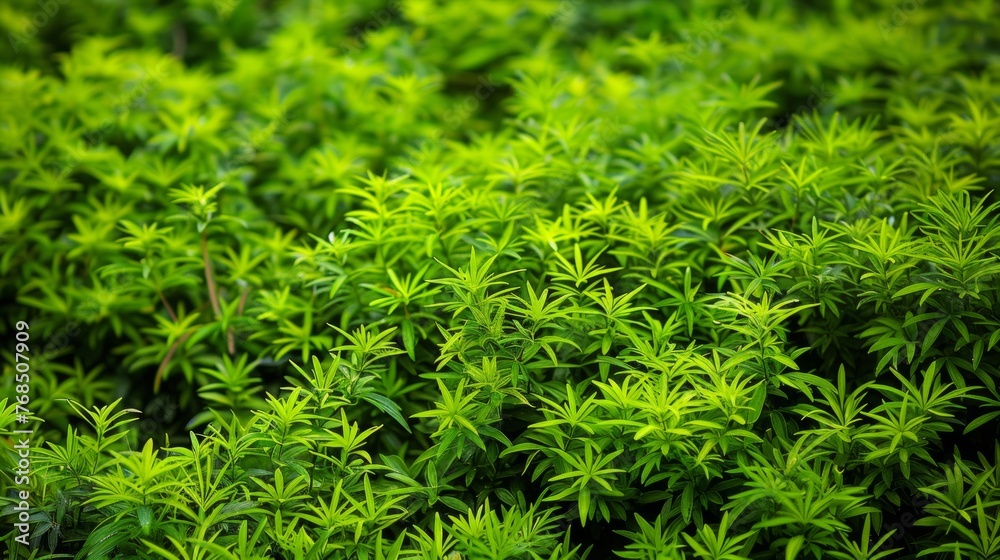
pixel 549 279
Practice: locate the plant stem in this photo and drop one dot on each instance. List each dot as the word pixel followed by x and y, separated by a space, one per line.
pixel 166 304
pixel 209 277
pixel 239 312
pixel 166 361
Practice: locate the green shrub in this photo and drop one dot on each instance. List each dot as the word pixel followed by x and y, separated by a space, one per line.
pixel 712 280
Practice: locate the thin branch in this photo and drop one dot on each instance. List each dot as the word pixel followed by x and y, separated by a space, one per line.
pixel 239 313
pixel 166 304
pixel 166 361
pixel 180 41
pixel 209 277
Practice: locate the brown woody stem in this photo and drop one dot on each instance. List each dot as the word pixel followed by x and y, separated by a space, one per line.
pixel 166 304
pixel 209 277
pixel 166 361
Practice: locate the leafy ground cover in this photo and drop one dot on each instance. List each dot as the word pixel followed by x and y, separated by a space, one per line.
pixel 556 279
